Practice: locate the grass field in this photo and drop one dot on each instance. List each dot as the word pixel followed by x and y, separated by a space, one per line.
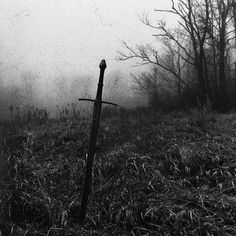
pixel 154 174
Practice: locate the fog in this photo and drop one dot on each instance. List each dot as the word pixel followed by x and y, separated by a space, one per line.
pixel 51 50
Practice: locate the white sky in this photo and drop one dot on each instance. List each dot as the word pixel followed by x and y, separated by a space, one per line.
pixel 68 37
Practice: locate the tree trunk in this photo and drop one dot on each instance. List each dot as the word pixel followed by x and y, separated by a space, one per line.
pixel 223 98
pixel 201 82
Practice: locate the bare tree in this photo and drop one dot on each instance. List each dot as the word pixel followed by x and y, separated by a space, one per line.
pixel 171 66
pixel 220 34
pixel 200 43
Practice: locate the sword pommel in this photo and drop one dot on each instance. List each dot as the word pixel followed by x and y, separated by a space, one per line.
pixel 103 64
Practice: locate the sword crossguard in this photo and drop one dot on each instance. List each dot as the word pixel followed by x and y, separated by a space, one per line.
pixel 99 101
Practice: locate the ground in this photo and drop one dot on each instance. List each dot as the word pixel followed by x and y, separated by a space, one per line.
pixel 153 174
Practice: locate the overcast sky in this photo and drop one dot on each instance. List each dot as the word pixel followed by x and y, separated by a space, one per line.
pixel 68 37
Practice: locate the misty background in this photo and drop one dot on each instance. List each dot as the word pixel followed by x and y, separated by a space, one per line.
pixel 50 50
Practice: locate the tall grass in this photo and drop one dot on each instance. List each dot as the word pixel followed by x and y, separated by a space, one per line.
pixel 152 175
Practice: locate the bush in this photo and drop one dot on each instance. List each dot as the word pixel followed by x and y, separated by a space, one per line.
pixel 199 117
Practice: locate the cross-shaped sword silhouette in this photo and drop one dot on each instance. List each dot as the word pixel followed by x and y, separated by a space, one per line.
pixel 92 143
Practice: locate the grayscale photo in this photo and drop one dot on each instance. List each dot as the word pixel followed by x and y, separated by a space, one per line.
pixel 117 117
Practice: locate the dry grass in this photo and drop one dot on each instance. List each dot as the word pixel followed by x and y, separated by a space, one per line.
pixel 153 175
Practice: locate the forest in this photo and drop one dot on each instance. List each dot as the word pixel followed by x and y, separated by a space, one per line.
pixel 164 155
pixel 196 64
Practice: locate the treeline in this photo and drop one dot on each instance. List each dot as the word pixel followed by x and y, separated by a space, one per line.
pixel 194 65
pixel 31 97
